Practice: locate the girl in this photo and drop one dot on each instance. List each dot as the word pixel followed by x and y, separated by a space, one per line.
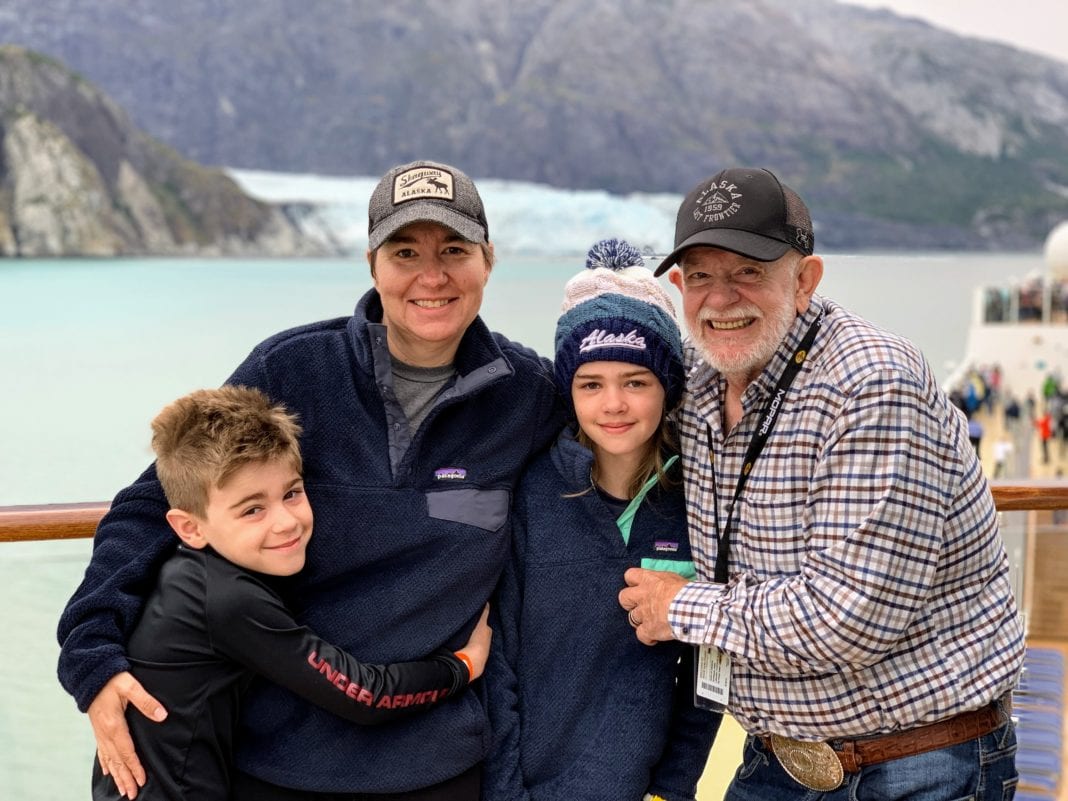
pixel 580 709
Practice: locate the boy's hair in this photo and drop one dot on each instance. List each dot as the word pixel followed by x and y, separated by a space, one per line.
pixel 205 437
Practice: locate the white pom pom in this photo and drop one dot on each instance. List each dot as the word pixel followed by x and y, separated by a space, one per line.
pixel 614 254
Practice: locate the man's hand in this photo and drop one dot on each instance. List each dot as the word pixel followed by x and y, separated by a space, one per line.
pixel 646 599
pixel 114 747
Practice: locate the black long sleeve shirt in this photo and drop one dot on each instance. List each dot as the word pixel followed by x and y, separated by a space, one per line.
pixel 209 627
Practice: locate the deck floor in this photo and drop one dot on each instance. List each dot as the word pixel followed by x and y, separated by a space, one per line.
pixel 1060 792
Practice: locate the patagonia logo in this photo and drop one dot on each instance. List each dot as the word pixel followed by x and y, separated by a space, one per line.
pixel 598 338
pixel 665 546
pixel 450 474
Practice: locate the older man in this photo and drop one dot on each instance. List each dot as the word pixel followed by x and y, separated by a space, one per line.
pixel 853 609
pixel 417 420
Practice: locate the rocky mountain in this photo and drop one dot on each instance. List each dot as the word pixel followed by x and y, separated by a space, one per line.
pixel 78 179
pixel 899 134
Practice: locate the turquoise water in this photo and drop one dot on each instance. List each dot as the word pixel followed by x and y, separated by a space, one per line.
pixel 90 350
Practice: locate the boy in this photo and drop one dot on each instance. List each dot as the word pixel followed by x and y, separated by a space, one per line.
pixel 230 466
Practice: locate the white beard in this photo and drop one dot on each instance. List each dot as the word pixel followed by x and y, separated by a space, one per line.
pixel 747 362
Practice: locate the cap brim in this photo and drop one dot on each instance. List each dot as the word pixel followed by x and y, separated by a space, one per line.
pixel 426 211
pixel 744 243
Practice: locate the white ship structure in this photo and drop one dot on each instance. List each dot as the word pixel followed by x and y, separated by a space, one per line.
pixel 1023 328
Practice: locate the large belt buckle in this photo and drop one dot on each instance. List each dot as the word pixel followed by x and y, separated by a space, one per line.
pixel 812 764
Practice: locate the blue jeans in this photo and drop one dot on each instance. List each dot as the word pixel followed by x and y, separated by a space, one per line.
pixel 983 769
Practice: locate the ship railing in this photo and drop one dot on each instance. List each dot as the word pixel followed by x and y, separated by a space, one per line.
pixel 67 521
pixel 59 521
pixel 1021 504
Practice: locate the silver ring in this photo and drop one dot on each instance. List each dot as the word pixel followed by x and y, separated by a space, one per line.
pixel 631 620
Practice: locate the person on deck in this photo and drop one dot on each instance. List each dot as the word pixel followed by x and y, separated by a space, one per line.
pixel 417 422
pixel 1003 449
pixel 1044 427
pixel 853 608
pixel 608 495
pixel 975 435
pixel 1062 426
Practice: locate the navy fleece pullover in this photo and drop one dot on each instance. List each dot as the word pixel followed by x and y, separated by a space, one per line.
pixel 581 710
pixel 411 533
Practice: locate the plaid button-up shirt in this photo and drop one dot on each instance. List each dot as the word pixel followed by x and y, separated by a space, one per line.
pixel 869 587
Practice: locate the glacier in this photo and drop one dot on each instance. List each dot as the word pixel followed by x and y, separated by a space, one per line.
pixel 524 218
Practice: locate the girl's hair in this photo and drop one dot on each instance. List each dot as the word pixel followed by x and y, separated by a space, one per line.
pixel 662 445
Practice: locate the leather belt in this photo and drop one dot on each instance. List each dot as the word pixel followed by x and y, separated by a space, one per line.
pixel 857 753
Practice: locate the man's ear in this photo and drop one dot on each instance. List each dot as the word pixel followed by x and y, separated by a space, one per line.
pixel 187 527
pixel 809 274
pixel 675 277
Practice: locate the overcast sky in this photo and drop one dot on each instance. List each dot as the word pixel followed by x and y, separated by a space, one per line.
pixel 1039 25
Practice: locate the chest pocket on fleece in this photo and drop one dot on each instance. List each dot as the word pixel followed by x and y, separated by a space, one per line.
pixel 485 509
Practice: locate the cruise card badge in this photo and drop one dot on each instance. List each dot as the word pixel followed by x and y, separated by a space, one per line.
pixel 712 683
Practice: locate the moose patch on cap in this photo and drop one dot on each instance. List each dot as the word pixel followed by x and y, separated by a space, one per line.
pixel 422 182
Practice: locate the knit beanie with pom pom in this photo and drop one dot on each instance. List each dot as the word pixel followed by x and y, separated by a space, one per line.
pixel 616 310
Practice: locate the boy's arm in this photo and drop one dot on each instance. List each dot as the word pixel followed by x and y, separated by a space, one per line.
pixel 249 624
pixel 675 775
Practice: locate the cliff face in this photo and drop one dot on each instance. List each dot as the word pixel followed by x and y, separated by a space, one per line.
pixel 77 178
pixel 900 134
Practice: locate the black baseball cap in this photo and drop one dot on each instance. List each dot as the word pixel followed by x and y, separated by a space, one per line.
pixel 744 210
pixel 425 191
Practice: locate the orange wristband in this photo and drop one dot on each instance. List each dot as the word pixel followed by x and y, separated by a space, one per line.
pixel 467 661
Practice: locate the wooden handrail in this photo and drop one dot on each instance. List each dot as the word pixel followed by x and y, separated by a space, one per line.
pixel 67 521
pixel 58 521
pixel 1022 496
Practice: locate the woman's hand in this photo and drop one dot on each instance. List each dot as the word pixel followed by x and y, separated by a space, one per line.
pixel 114 746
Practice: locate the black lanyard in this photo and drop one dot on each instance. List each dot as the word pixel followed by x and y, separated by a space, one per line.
pixel 756 445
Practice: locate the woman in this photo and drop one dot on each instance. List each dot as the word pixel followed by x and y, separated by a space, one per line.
pixel 418 421
pixel 580 709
